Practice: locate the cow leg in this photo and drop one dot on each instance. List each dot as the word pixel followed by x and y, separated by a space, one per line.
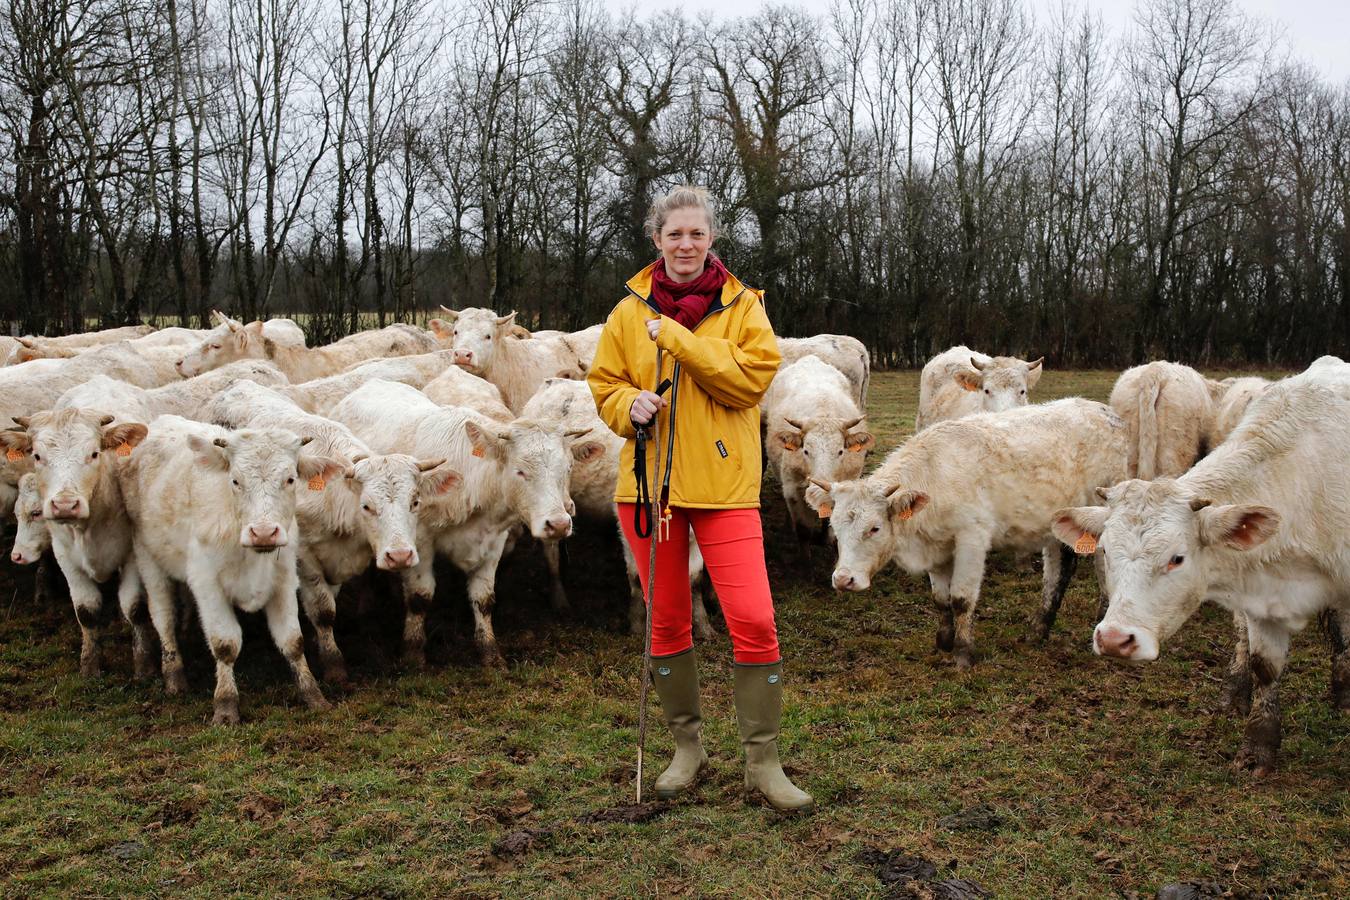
pixel 482 596
pixel 1236 696
pixel 319 599
pixel 1269 648
pixel 1338 632
pixel 1057 565
pixel 283 621
pixel 967 575
pixel 48 582
pixel 419 589
pixel 941 580
pixel 225 638
pixel 136 610
pixel 88 602
pixel 163 604
pixel 557 596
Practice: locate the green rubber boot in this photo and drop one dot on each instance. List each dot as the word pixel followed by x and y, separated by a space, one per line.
pixel 759 707
pixel 676 681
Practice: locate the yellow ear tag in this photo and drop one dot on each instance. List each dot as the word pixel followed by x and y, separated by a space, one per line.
pixel 316 483
pixel 478 452
pixel 826 510
pixel 123 449
pixel 1085 545
pixel 15 455
pixel 907 513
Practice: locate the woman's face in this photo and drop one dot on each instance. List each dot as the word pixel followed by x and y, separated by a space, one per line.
pixel 684 242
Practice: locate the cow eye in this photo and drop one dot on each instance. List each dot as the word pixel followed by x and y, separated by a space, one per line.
pixel 215 347
pixel 986 390
pixel 1022 392
pixel 520 472
pixel 840 453
pixel 1175 562
pixel 416 502
pixel 875 529
pixel 290 479
pixel 365 507
pixel 234 481
pixel 37 457
pixel 489 337
pixel 94 455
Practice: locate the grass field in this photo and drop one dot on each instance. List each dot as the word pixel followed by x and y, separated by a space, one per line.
pixel 1105 779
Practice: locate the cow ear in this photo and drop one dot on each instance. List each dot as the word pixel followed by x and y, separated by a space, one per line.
pixel 17 444
pixel 255 327
pixel 210 453
pixel 439 480
pixel 269 348
pixel 818 498
pixel 788 440
pixel 485 442
pixel 317 469
pixel 859 441
pixel 1241 526
pixel 970 381
pixel 905 504
pixel 520 331
pixel 128 434
pixel 587 450
pixel 1034 370
pixel 1079 527
pixel 441 329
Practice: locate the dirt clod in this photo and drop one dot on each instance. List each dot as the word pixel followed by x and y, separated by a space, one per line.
pixel 981 817
pixel 630 814
pixel 521 841
pixel 913 876
pixel 1199 890
pixel 958 889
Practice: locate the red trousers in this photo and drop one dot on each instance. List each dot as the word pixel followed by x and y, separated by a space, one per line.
pixel 732 543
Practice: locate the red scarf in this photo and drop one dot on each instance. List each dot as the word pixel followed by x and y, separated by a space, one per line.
pixel 688 302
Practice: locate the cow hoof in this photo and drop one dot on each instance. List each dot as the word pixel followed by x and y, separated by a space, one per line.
pixel 226 715
pixel 963 661
pixel 143 668
pixel 175 682
pixel 493 660
pixel 413 660
pixel 1259 761
pixel 945 640
pixel 316 701
pixel 559 601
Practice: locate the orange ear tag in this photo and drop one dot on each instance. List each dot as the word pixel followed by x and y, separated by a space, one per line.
pixel 969 387
pixel 316 483
pixel 478 452
pixel 826 510
pixel 123 449
pixel 907 513
pixel 1085 545
pixel 856 448
pixel 15 455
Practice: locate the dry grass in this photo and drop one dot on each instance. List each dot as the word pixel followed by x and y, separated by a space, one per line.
pixel 1108 778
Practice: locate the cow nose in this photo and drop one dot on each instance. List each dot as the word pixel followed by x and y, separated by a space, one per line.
pixel 398 559
pixel 463 356
pixel 65 507
pixel 844 580
pixel 17 557
pixel 558 526
pixel 264 535
pixel 1113 641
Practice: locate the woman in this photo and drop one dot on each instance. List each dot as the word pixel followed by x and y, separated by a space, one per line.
pixel 715 343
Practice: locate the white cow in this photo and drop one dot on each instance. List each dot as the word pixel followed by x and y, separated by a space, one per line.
pixel 484 345
pixel 32 538
pixel 959 382
pixel 301 363
pixel 231 340
pixel 514 472
pixel 815 430
pixel 595 474
pixel 77 454
pixel 953 492
pixel 1169 411
pixel 367 515
pixel 1259 526
pixel 322 394
pixel 215 510
pixel 30 347
pixel 847 354
pixel 458 387
pixel 1231 397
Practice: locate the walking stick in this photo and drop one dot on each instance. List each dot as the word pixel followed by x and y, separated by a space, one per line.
pixel 654 536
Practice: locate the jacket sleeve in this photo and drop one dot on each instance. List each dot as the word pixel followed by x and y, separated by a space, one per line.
pixel 734 373
pixel 611 382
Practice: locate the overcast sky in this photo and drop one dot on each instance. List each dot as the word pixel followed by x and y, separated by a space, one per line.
pixel 1318 31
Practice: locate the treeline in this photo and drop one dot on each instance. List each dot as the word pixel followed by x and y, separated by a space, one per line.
pixel 914 172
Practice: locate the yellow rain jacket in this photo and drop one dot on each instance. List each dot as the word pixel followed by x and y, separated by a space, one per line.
pixel 720 370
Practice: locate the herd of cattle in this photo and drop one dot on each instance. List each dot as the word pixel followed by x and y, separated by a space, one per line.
pixel 262 474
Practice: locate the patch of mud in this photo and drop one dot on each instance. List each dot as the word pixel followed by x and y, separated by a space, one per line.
pixel 981 817
pixel 1205 890
pixel 521 841
pixel 128 850
pixel 914 876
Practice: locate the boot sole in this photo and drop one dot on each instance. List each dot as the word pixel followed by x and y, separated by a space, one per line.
pixel 671 795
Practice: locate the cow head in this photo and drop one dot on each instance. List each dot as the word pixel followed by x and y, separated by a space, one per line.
pixel 535 461
pixel 229 341
pixel 72 452
pixel 474 334
pixel 389 491
pixel 1160 545
pixel 32 538
pixel 1003 383
pixel 869 523
pixel 825 449
pixel 262 468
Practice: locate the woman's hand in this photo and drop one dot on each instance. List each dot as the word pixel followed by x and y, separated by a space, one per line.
pixel 653 327
pixel 645 407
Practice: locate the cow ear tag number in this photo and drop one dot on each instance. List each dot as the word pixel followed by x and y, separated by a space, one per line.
pixel 317 482
pixel 907 513
pixel 123 449
pixel 14 455
pixel 478 452
pixel 1085 545
pixel 826 510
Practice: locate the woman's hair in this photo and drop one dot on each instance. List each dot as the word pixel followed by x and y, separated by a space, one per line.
pixel 686 196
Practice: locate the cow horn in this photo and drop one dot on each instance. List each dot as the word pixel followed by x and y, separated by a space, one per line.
pixel 1199 504
pixel 823 485
pixel 452 313
pixel 794 423
pixel 305 439
pixel 21 421
pixel 426 465
pixel 105 419
pixel 1102 492
pixel 1035 363
pixel 28 342
pixel 852 423
pixel 360 456
pixel 979 366
pixel 577 432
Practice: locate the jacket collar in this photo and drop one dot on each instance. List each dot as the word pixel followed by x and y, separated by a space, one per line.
pixel 640 285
